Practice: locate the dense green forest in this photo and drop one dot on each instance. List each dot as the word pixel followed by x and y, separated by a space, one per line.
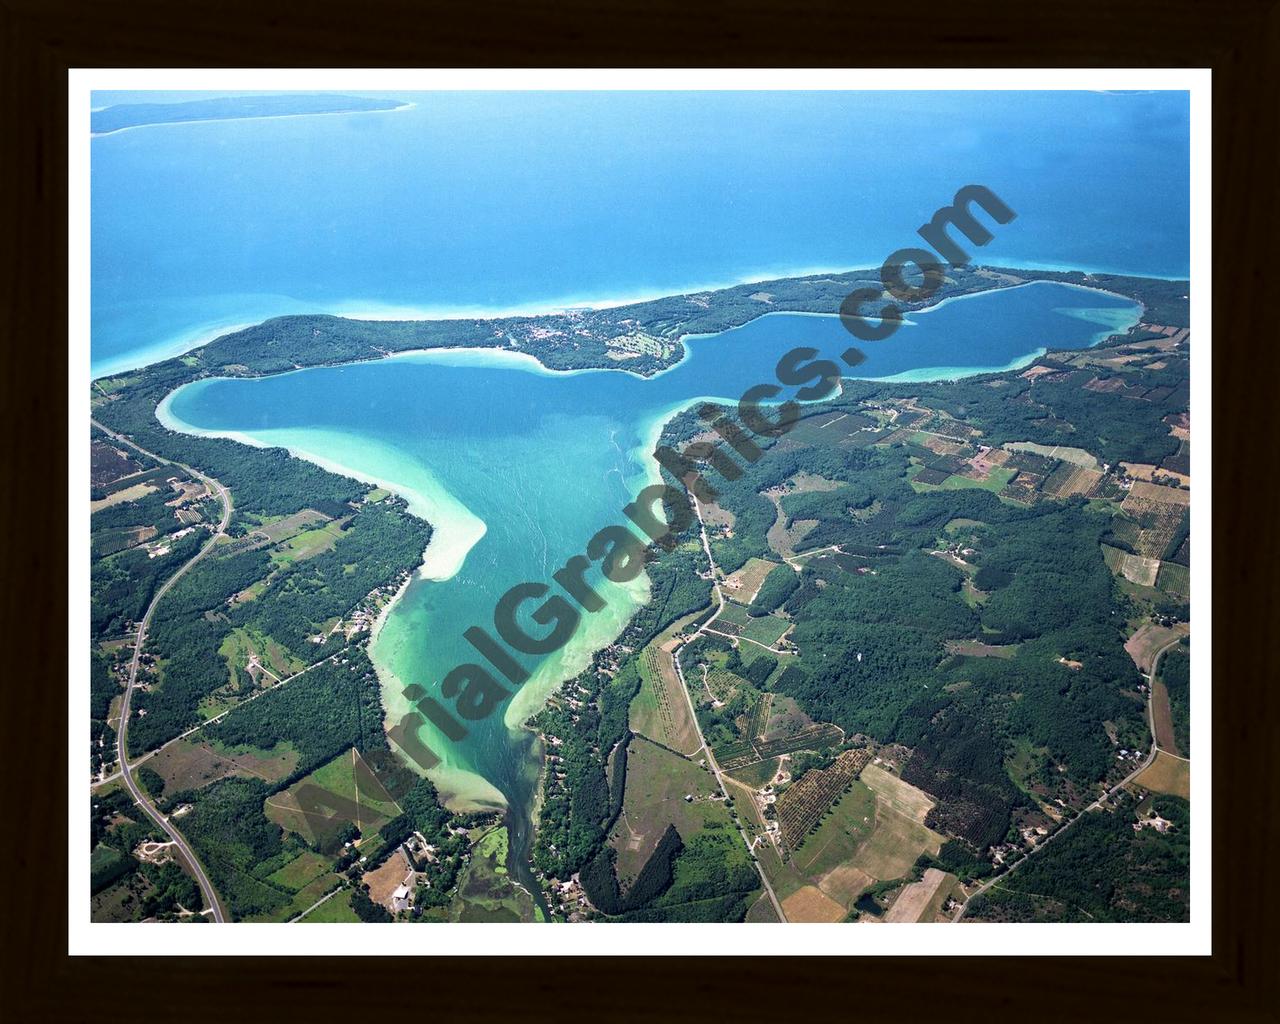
pixel 1101 869
pixel 1175 673
pixel 335 706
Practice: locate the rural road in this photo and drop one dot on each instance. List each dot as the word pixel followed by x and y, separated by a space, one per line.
pixel 711 760
pixel 140 798
pixel 1151 756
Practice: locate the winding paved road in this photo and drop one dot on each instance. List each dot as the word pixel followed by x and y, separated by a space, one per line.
pixel 126 770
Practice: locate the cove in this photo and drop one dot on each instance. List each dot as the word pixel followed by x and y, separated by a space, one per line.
pixel 517 467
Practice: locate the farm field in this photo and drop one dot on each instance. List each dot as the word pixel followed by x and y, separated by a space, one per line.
pixel 1174 578
pixel 1167 774
pixel 307 544
pixel 192 765
pixel 1076 456
pixel 303 898
pixel 811 905
pixel 900 796
pixel 1162 719
pixel 805 803
pixel 301 871
pixel 900 834
pixel 867 837
pixel 1139 569
pixel 1069 479
pixel 1144 644
pixel 123 495
pixel 757 775
pixel 743 585
pixel 660 710
pixel 657 783
pixel 762 911
pixel 921 901
pixel 827 856
pixel 763 629
pixel 387 877
pixel 285 527
pixel 784 539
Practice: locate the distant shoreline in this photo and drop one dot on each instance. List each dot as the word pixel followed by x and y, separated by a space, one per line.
pixel 354 310
pixel 240 117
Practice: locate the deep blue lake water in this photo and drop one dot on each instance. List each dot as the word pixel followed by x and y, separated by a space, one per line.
pixel 524 200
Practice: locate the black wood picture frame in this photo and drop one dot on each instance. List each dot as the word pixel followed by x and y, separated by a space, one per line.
pixel 1238 39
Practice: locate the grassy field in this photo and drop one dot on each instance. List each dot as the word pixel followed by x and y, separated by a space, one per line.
pixel 785 718
pixel 335 910
pixel 811 905
pixel 764 629
pixel 1142 646
pixel 193 765
pixel 371 807
pixel 307 544
pixel 1167 774
pixel 240 644
pixel 762 911
pixel 900 835
pixel 279 528
pixel 301 871
pixel 308 895
pixel 1023 760
pixel 660 710
pixel 846 827
pixel 994 482
pixel 657 783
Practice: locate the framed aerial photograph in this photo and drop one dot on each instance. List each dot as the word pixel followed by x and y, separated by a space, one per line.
pixel 712 541
pixel 516 498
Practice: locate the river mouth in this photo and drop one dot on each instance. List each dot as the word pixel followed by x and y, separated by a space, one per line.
pixel 518 467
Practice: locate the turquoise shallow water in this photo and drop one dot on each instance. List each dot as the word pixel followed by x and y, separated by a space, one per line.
pixel 518 467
